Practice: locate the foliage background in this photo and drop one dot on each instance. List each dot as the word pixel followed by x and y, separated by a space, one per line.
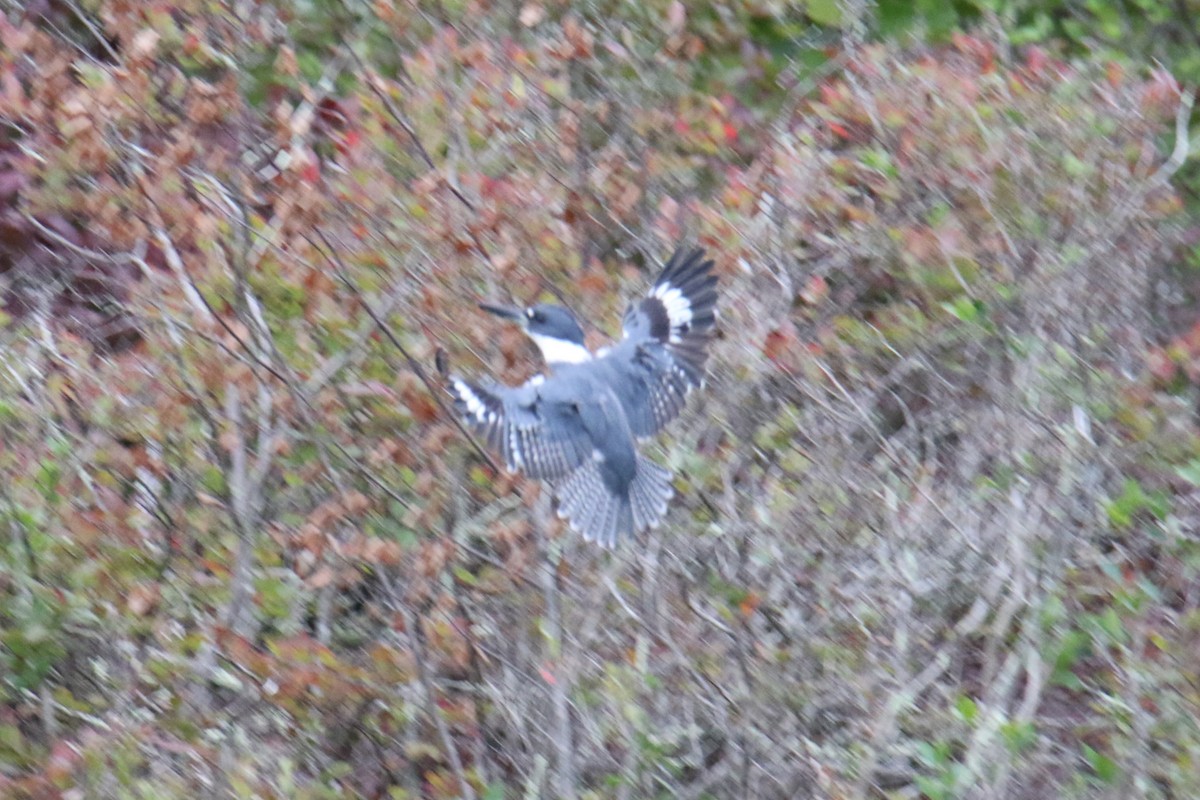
pixel 936 525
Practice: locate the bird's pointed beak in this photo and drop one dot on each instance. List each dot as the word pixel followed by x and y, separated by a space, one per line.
pixel 507 312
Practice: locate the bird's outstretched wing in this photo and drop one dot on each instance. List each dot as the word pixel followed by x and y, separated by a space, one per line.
pixel 661 357
pixel 543 439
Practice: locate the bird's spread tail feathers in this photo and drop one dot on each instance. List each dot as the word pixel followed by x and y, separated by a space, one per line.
pixel 603 517
pixel 649 493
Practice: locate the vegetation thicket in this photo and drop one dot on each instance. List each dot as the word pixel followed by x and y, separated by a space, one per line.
pixel 935 532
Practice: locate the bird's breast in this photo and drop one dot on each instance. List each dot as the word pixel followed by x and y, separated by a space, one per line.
pixel 612 440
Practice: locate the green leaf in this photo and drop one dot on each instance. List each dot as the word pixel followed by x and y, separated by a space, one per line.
pixel 940 17
pixel 938 214
pixel 933 754
pixel 880 161
pixel 967 709
pixel 11 740
pixel 1018 736
pixel 311 66
pixel 1074 644
pixel 465 576
pixel 47 478
pixel 825 12
pixel 965 309
pixel 212 479
pixel 1134 499
pixel 1075 167
pixel 1104 767
pixel 895 17
pixel 1108 17
pixel 1190 472
pixel 1111 625
pixel 1038 29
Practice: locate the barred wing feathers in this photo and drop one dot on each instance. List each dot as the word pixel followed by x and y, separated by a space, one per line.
pixel 541 439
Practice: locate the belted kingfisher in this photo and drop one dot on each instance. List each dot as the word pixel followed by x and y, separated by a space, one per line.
pixel 577 429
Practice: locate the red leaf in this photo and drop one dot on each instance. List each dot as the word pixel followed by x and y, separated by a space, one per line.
pixel 780 343
pixel 350 140
pixel 1161 366
pixel 11 182
pixel 814 290
pixel 1036 60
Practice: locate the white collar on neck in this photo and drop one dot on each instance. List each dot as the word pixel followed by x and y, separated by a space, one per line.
pixel 560 351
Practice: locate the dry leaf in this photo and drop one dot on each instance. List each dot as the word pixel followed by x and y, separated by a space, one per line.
pixel 322 577
pixel 143 598
pixel 145 43
pixel 676 17
pixel 532 14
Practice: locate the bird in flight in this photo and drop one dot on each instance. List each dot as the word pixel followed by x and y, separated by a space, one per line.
pixel 577 428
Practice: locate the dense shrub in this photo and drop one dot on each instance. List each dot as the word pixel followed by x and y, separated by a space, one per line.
pixel 933 531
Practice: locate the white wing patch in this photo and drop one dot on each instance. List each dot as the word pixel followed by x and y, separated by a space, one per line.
pixel 679 308
pixel 514 447
pixel 475 406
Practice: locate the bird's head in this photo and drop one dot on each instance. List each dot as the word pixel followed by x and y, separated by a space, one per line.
pixel 553 328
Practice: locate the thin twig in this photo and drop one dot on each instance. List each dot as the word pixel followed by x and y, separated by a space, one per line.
pixel 565 780
pixel 432 709
pixel 329 253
